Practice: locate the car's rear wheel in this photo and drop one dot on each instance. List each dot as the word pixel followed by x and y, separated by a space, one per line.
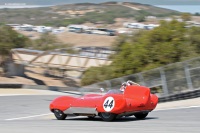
pixel 106 116
pixel 141 115
pixel 59 114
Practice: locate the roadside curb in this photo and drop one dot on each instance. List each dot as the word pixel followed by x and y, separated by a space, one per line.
pixel 11 85
pixel 37 87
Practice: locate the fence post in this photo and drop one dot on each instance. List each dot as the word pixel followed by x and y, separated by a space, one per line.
pixel 164 84
pixel 187 76
pixel 141 78
pixel 108 84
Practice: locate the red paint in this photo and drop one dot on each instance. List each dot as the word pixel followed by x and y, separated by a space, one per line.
pixel 134 98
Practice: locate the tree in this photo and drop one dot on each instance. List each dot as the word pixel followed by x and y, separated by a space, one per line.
pixel 163 45
pixel 197 14
pixel 5 49
pixel 194 38
pixel 96 74
pixel 169 43
pixel 186 16
pixel 10 39
pixel 140 18
pixel 48 42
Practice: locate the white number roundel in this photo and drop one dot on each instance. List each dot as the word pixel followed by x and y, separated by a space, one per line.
pixel 109 104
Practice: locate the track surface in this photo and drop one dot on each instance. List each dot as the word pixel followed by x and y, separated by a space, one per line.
pixel 32 117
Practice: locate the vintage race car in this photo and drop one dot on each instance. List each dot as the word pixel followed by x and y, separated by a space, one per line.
pixel 135 100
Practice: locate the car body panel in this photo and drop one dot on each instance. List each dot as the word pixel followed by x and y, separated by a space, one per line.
pixel 133 99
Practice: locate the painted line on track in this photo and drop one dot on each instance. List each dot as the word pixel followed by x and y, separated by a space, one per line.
pixel 187 107
pixel 26 117
pixel 4 95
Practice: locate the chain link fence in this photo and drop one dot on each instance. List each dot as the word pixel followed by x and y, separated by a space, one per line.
pixel 163 81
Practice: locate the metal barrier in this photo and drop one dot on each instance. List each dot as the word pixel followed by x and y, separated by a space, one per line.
pixel 1 71
pixel 164 81
pixel 180 96
pixel 56 59
pixel 57 63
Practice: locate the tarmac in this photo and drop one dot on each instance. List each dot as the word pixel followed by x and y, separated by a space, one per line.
pixel 9 92
pixel 27 111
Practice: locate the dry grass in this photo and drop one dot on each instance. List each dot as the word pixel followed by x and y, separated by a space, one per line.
pixel 78 39
pixel 86 39
pixel 196 18
pixel 16 79
pixel 31 35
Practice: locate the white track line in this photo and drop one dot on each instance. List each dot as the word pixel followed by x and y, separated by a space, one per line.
pixel 19 118
pixel 33 116
pixel 188 107
pixel 11 94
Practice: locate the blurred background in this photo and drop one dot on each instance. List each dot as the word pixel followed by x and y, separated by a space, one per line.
pixel 76 45
pixel 81 46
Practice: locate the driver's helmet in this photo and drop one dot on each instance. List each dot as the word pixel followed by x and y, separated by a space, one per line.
pixel 128 83
pixel 123 86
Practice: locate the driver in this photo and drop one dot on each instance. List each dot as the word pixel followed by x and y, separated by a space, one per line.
pixel 128 83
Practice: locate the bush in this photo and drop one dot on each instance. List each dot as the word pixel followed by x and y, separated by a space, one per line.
pixel 140 18
pixel 48 42
pixel 10 39
pixel 186 16
pixel 169 43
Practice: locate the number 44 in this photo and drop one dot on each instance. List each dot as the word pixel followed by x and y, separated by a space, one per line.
pixel 107 104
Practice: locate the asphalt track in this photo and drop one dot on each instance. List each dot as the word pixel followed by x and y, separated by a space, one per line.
pixel 30 114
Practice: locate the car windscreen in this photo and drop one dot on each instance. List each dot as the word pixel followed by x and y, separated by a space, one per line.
pixel 114 91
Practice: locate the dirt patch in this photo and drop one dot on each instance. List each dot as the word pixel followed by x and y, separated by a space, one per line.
pixel 30 34
pixel 77 39
pixel 16 79
pixel 85 39
pixel 196 18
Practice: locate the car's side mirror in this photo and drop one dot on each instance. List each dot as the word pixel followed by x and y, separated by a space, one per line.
pixel 102 89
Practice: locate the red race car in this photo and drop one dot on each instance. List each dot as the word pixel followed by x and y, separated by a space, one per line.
pixel 134 100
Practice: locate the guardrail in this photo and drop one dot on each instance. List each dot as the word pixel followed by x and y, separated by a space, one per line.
pixel 178 80
pixel 80 91
pixel 56 59
pixel 180 96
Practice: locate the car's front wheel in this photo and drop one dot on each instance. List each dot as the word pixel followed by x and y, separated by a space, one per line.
pixel 141 115
pixel 59 114
pixel 106 116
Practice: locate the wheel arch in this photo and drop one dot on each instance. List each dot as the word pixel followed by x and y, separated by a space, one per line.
pixel 61 103
pixel 119 106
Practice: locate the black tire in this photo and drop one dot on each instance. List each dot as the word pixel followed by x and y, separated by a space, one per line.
pixel 107 116
pixel 141 115
pixel 91 117
pixel 59 114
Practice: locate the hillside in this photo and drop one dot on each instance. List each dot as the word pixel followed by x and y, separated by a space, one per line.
pixel 63 15
pixel 55 2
